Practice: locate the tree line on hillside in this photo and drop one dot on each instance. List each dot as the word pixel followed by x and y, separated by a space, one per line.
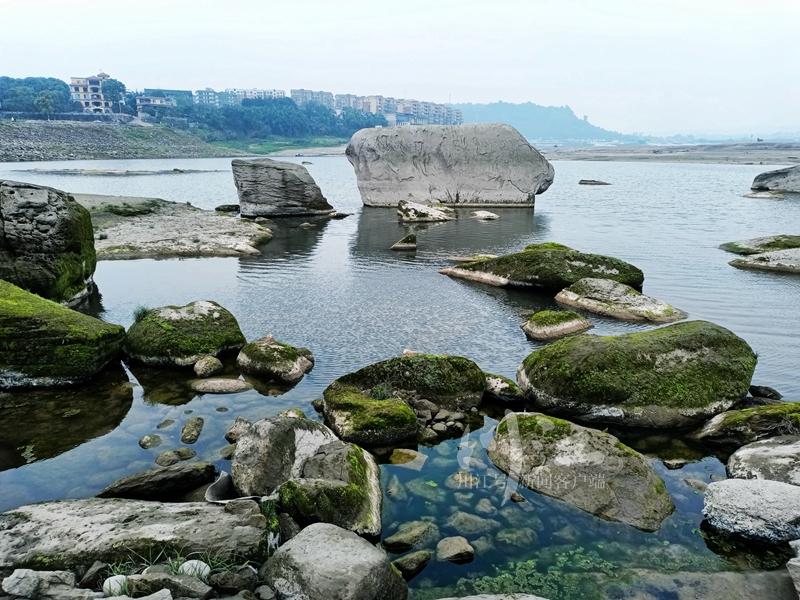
pixel 36 94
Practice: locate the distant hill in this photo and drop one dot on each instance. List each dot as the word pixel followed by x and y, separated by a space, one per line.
pixel 535 122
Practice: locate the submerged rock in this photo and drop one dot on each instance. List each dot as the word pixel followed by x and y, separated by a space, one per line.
pixel 546 325
pixel 46 242
pixel 782 180
pixel 408 242
pixel 762 244
pixel 775 458
pixel 674 376
pixel 548 266
pixel 171 457
pixel 411 564
pixel 784 261
pixel 371 406
pixel 412 535
pixel 166 484
pixel 736 428
pixel 465 165
pixel 76 532
pixel 414 212
pixel 182 335
pixel 45 344
pixel 757 509
pixel 270 359
pixel 587 468
pixel 485 215
pixel 191 430
pixel 455 549
pixel 617 300
pixel 271 188
pixel 323 562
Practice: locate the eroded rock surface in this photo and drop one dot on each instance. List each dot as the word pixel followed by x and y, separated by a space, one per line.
pixel 782 180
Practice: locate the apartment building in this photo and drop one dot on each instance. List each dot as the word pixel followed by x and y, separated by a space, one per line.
pixel 234 96
pixel 401 111
pixel 89 92
pixel 302 97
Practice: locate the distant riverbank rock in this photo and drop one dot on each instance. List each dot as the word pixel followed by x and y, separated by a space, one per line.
pixel 547 325
pixel 68 533
pixel 756 509
pixel 592 182
pixel 777 459
pixel 465 165
pixel 271 188
pixel 132 227
pixel 617 300
pixel 785 261
pixel 545 452
pixel 736 428
pixel 414 212
pixel 781 180
pixel 43 343
pixel 763 244
pixel 46 242
pixel 325 562
pixel 674 376
pixel 547 266
pixel 181 335
pixel 270 359
pixel 371 406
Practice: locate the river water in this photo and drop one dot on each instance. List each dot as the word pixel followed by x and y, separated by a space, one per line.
pixel 337 289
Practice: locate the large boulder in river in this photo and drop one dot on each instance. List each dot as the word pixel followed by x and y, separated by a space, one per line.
pixel 758 509
pixel 325 562
pixel 271 188
pixel 182 335
pixel 780 180
pixel 587 468
pixel 77 532
pixel 46 242
pixel 370 407
pixel 548 266
pixel 735 428
pixel 669 377
pixel 43 343
pixel 462 165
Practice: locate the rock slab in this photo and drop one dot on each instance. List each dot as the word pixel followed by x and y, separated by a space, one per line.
pixel 781 180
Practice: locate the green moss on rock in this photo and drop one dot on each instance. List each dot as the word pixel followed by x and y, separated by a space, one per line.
pixel 554 266
pixel 759 245
pixel 672 376
pixel 180 335
pixel 44 343
pixel 549 318
pixel 738 427
pixel 268 358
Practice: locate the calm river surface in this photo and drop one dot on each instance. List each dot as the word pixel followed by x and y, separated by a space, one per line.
pixel 337 289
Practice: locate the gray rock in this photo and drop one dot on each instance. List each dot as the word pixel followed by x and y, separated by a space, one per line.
pixel 46 242
pixel 414 212
pixel 587 468
pixel 171 457
pixel 184 586
pixel 230 582
pixel 455 549
pixel 757 509
pixel 466 165
pixel 264 592
pixel 781 180
pixel 411 536
pixel 92 575
pixel 617 300
pixel 592 182
pixel 191 430
pixel 44 585
pixel 736 428
pixel 159 595
pixel 167 484
pixel 206 366
pixel 784 261
pixel 502 389
pixel 324 562
pixel 270 359
pixel 270 188
pixel 239 427
pixel 219 385
pixel 775 458
pixel 72 532
pixel 412 563
pixel 468 524
pixel 517 537
pixel 763 244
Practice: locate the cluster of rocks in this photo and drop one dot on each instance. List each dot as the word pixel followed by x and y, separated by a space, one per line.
pixel 771 253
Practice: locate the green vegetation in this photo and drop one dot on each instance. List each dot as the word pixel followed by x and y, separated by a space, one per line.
pixel 686 365
pixel 369 419
pixel 554 266
pixel 46 95
pixel 550 318
pixel 535 425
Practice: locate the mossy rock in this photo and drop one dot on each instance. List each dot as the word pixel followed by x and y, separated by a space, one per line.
pixel 181 335
pixel 268 358
pixel 587 468
pixel 549 266
pixel 340 484
pixel 369 407
pixel 762 244
pixel 502 389
pixel 674 376
pixel 547 325
pixel 736 428
pixel 43 343
pixel 46 242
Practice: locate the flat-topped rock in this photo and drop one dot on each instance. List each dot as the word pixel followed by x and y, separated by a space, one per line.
pixel 784 261
pixel 617 300
pixel 465 165
pixel 271 188
pixel 777 459
pixel 46 242
pixel 166 484
pixel 547 325
pixel 762 244
pixel 781 180
pixel 547 266
pixel 416 212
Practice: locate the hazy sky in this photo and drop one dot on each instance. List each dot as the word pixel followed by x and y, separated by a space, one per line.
pixel 653 66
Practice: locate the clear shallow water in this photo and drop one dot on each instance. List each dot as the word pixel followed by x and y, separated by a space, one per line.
pixel 337 289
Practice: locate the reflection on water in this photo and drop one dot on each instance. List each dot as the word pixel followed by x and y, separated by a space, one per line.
pixel 336 288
